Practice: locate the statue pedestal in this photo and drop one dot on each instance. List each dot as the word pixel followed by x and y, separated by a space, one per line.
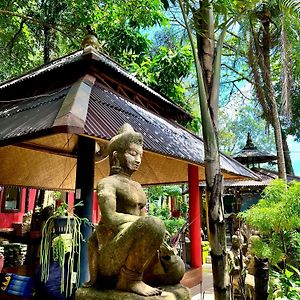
pixel 171 292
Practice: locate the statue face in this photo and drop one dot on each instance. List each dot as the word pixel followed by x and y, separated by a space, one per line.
pixel 133 157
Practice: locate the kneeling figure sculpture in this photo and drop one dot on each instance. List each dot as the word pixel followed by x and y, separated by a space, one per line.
pixel 127 250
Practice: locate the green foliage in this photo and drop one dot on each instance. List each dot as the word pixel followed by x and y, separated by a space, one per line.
pixel 61 245
pixel 294 124
pixel 173 225
pixel 69 242
pixel 293 4
pixel 285 284
pixel 156 197
pixel 277 217
pixel 30 29
pixel 164 71
pixel 162 191
pixel 62 208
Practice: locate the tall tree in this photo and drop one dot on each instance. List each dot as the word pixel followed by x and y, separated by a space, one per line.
pixel 207 58
pixel 208 65
pixel 260 63
pixel 210 21
pixel 272 25
pixel 33 32
pixel 267 35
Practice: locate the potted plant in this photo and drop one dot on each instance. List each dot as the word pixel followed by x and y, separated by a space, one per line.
pixel 61 242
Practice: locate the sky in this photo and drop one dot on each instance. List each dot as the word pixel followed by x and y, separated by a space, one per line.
pixel 246 89
pixel 295 154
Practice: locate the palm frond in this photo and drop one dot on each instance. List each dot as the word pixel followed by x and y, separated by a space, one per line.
pixel 293 4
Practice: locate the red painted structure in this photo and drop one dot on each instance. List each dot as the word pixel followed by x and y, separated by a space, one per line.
pixel 195 217
pixel 8 218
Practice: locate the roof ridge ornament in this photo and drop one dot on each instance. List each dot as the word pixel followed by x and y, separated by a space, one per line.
pixel 90 39
pixel 249 143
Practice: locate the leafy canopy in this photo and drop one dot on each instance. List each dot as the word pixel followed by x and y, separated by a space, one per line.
pixel 277 217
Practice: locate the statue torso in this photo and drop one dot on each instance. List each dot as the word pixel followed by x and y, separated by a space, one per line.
pixel 131 198
pixel 128 194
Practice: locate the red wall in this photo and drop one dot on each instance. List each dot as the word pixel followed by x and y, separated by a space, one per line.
pixel 8 218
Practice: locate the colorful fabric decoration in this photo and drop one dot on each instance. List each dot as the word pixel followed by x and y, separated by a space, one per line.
pixel 13 284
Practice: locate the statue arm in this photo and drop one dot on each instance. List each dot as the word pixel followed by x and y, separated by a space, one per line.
pixel 107 201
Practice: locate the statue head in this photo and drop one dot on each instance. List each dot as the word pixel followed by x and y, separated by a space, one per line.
pixel 125 150
pixel 237 241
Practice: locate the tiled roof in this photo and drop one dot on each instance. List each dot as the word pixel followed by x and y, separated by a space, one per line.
pixel 45 128
pixel 26 116
pixel 107 112
pixel 250 154
pixel 90 55
pixel 265 176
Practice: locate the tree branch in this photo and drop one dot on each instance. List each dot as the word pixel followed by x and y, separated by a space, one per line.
pixel 35 21
pixel 238 73
pixel 10 44
pixel 241 92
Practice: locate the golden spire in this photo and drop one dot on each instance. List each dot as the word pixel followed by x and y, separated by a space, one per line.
pixel 90 39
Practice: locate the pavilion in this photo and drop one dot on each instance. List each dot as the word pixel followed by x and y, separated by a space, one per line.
pixel 248 192
pixel 251 156
pixel 240 195
pixel 56 120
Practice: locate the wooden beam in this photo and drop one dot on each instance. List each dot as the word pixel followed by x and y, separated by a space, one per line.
pixel 49 150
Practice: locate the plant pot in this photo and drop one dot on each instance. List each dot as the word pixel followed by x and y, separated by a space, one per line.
pixel 60 224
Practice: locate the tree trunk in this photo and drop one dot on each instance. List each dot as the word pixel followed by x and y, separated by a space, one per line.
pixel 271 97
pixel 47 44
pixel 279 145
pixel 287 156
pixel 261 278
pixel 208 95
pixel 217 235
pixel 204 24
pixel 269 105
pixel 214 178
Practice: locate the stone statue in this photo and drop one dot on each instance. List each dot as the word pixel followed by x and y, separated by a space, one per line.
pixel 235 258
pixel 242 282
pixel 127 250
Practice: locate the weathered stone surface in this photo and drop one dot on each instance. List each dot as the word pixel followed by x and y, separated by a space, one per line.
pixel 127 249
pixel 175 292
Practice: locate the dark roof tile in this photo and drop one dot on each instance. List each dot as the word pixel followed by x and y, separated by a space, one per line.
pixel 30 115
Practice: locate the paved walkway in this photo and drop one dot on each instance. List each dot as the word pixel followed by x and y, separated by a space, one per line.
pixel 204 291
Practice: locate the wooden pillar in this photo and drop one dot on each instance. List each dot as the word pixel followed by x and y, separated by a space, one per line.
pixel 84 191
pixel 195 217
pixel 261 278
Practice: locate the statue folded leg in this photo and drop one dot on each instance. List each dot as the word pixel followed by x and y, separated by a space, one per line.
pixel 128 254
pixel 132 247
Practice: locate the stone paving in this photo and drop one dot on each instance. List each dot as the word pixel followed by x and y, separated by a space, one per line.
pixel 204 291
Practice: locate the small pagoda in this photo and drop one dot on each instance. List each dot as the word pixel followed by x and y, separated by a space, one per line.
pixel 251 156
pixel 240 195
